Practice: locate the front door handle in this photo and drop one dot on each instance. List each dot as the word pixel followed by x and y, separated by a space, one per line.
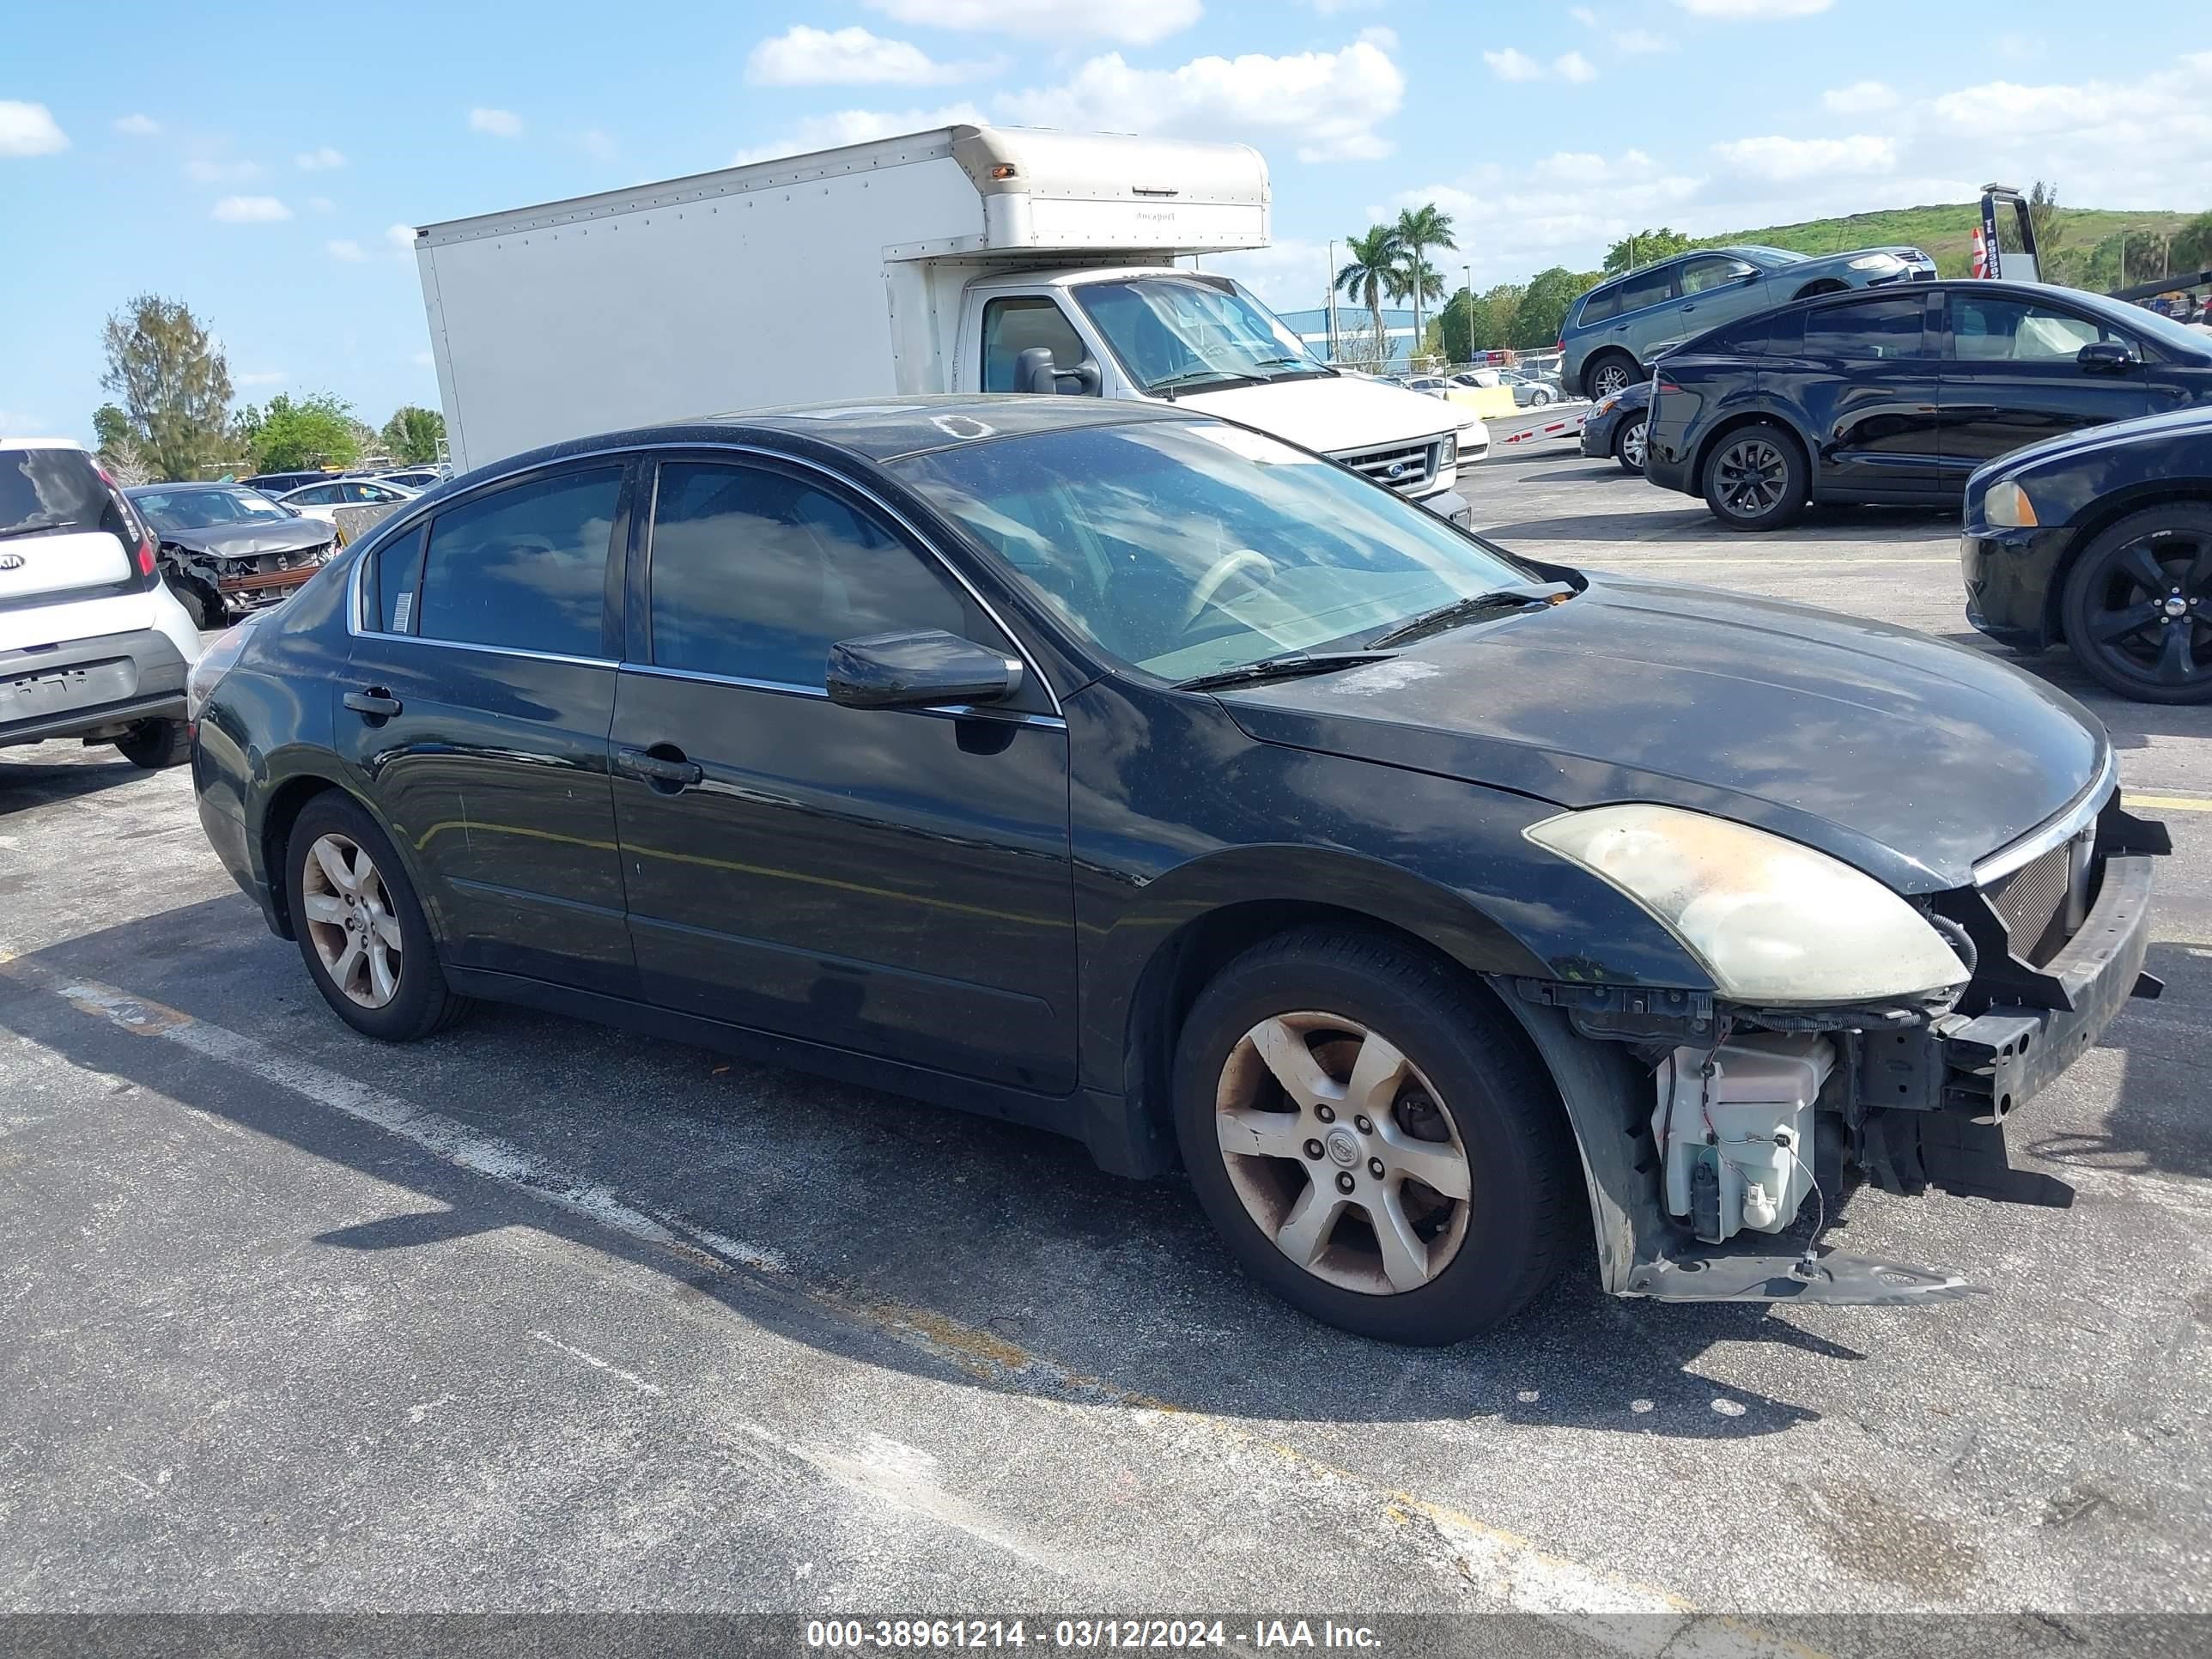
pixel 376 704
pixel 664 766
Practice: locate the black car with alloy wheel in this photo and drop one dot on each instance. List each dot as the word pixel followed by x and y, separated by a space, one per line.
pixel 1614 430
pixel 1448 916
pixel 2102 541
pixel 1898 396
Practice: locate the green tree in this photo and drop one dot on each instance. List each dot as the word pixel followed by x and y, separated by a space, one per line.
pixel 1370 273
pixel 315 431
pixel 413 434
pixel 1452 335
pixel 172 384
pixel 1418 230
pixel 2192 246
pixel 1543 308
pixel 1501 308
pixel 118 444
pixel 1643 248
pixel 2043 215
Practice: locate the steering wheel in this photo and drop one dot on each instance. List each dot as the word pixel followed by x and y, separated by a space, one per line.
pixel 1201 594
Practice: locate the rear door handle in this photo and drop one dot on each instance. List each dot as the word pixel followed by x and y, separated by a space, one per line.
pixel 376 702
pixel 667 770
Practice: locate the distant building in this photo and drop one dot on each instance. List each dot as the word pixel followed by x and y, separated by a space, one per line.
pixel 1353 325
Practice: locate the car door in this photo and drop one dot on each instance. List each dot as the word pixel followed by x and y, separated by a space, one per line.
pixel 474 712
pixel 1862 375
pixel 1647 312
pixel 2012 376
pixel 1717 288
pixel 895 881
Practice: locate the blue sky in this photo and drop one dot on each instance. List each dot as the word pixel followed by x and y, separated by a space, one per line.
pixel 254 161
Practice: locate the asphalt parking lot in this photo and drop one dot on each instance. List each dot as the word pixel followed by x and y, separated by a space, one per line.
pixel 536 1314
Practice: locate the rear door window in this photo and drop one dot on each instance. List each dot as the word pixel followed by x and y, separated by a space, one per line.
pixel 1601 305
pixel 524 567
pixel 1868 331
pixel 1648 288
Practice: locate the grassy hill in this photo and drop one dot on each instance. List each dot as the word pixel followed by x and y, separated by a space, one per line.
pixel 2090 236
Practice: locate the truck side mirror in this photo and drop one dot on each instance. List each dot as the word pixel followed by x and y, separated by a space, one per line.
pixel 1035 372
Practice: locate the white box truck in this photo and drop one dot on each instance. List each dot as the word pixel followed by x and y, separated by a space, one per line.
pixel 964 259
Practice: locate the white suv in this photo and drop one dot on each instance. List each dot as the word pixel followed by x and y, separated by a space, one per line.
pixel 93 644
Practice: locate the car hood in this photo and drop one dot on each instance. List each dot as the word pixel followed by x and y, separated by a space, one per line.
pixel 1911 256
pixel 2195 421
pixel 1904 756
pixel 1333 413
pixel 251 541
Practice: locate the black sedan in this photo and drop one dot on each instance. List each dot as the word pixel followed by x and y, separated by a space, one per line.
pixel 1615 428
pixel 1122 771
pixel 225 549
pixel 1897 397
pixel 2103 540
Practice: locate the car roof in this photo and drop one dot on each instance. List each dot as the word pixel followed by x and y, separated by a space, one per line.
pixel 188 483
pixel 877 428
pixel 41 443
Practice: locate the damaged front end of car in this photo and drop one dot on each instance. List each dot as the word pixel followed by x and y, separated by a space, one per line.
pixel 1721 1133
pixel 226 580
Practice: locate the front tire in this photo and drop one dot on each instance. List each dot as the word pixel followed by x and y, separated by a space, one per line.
pixel 360 929
pixel 1368 1145
pixel 204 609
pixel 156 744
pixel 1756 478
pixel 1628 443
pixel 2137 606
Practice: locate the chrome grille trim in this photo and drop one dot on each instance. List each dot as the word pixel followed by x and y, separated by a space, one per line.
pixel 2055 831
pixel 1418 456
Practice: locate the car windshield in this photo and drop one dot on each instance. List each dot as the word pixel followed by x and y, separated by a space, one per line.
pixel 1760 254
pixel 1185 548
pixel 44 490
pixel 1169 334
pixel 209 509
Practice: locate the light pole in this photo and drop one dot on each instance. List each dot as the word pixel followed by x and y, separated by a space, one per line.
pixel 1470 312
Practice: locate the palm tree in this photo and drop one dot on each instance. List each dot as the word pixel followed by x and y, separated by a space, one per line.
pixel 1372 272
pixel 1418 230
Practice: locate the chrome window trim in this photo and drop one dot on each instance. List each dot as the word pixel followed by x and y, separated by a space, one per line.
pixel 791 688
pixel 399 523
pixel 2056 831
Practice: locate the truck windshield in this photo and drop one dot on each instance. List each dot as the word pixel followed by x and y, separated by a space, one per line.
pixel 1171 334
pixel 1185 548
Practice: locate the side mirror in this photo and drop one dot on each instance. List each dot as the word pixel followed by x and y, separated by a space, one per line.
pixel 1035 372
pixel 2104 357
pixel 918 668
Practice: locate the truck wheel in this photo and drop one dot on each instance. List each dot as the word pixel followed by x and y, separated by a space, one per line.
pixel 2137 606
pixel 360 929
pixel 1628 443
pixel 1368 1146
pixel 1755 478
pixel 155 744
pixel 1609 373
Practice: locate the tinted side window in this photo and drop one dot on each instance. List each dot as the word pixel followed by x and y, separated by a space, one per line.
pixel 1699 275
pixel 525 567
pixel 54 488
pixel 1647 288
pixel 1748 338
pixel 1600 305
pixel 392 582
pixel 756 576
pixel 1013 326
pixel 1986 329
pixel 1868 331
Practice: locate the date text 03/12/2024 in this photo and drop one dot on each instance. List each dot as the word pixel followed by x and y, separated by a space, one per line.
pixel 849 1635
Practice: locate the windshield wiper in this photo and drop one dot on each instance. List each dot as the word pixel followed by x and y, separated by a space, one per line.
pixel 1467 610
pixel 1295 666
pixel 1204 377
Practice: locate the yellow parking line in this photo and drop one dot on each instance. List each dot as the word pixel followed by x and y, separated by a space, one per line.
pixel 2168 803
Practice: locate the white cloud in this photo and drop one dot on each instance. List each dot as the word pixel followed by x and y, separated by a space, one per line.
pixel 1132 22
pixel 138 126
pixel 206 170
pixel 1574 67
pixel 320 205
pixel 1327 103
pixel 251 210
pixel 1789 161
pixel 262 377
pixel 1584 16
pixel 344 251
pixel 1332 8
pixel 15 424
pixel 807 57
pixel 855 126
pixel 1860 98
pixel 423 359
pixel 598 143
pixel 1566 209
pixel 29 129
pixel 400 239
pixel 500 123
pixel 1513 64
pixel 319 161
pixel 1641 42
pixel 1753 11
pixel 1290 275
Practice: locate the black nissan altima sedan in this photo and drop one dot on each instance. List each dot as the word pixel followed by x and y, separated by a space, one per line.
pixel 1445 916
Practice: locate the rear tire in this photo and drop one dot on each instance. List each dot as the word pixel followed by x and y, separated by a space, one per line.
pixel 1757 478
pixel 360 929
pixel 1628 443
pixel 156 744
pixel 2117 605
pixel 1360 1021
pixel 1608 373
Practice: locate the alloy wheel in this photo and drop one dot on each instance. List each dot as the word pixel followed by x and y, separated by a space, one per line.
pixel 1752 475
pixel 1342 1154
pixel 2150 611
pixel 1632 445
pixel 1611 378
pixel 350 920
